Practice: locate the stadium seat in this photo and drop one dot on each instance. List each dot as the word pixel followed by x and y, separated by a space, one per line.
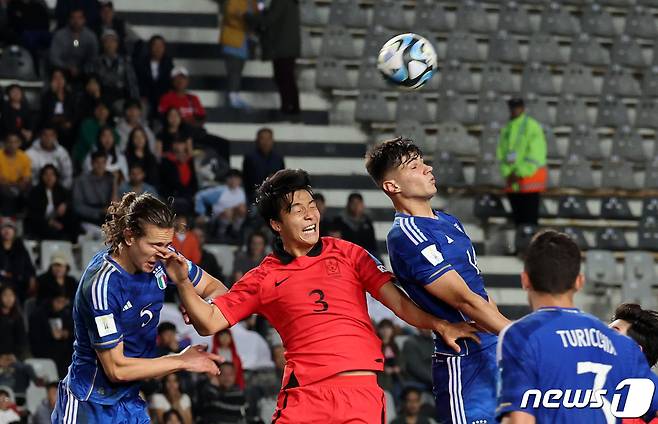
pixel 371 107
pixel 390 14
pixel 497 77
pixel 308 50
pixel 412 104
pixel 34 396
pixel 600 269
pixel 448 170
pixel 453 137
pixel 651 174
pixel 514 19
pixel 576 173
pixel 29 306
pixel 597 21
pixel 463 46
pixel 224 254
pixel 537 107
pixel 88 249
pixel 619 82
pixel 650 82
pixel 611 113
pixel 50 247
pixel 650 207
pixel 571 111
pixel 457 77
pixel 626 52
pixel 337 43
pixel 553 151
pixel 537 79
pixel 584 142
pixel 544 48
pixel 618 173
pixel 471 17
pixel 489 138
pixel 648 3
pixel 646 112
pixel 488 205
pixel 611 239
pixel 16 63
pixel 573 207
pixel 588 51
pixel 557 21
pixel 349 14
pixel 628 144
pixel 491 108
pixel 309 14
pixel 640 23
pixel 578 80
pixel 614 207
pixel 369 76
pixel 647 234
pixel 375 39
pixel 578 236
pixel 523 236
pixel 414 130
pixel 639 276
pixel 331 74
pixel 487 173
pixel 44 368
pixel 504 48
pixel 453 107
pixel 430 17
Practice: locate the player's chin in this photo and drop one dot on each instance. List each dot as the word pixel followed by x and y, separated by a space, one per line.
pixel 310 238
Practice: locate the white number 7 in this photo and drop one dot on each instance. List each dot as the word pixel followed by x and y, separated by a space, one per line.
pixel 600 372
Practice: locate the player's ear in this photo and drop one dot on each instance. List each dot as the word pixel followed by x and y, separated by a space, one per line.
pixel 580 282
pixel 390 187
pixel 128 237
pixel 525 281
pixel 276 225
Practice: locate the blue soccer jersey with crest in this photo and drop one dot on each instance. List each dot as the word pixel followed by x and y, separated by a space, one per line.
pixel 113 306
pixel 565 349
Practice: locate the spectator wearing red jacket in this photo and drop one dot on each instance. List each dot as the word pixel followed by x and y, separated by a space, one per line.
pixel 178 97
pixel 224 345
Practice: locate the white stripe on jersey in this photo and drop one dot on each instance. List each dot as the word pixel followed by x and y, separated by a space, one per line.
pixel 460 399
pixel 95 299
pixel 404 226
pixel 74 417
pixel 418 233
pixel 451 391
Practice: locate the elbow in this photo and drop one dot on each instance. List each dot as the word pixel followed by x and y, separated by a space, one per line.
pixel 204 332
pixel 116 376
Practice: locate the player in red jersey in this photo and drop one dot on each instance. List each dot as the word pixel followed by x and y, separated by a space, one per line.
pixel 312 290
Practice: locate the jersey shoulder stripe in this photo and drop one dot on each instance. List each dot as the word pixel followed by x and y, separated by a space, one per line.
pixel 100 284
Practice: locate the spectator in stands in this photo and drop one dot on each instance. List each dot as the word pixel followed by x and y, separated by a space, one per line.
pixel 56 281
pixel 74 46
pixel 139 153
pixel 15 175
pixel 172 417
pixel 51 331
pixel 174 128
pixel 136 182
pixel 89 131
pixel 221 401
pixel 521 153
pixel 185 240
pixel 16 113
pixel 45 408
pixel 109 21
pixel 16 267
pixel 167 339
pixel 229 207
pixel 88 99
pixel 90 8
pixel 132 119
pixel 250 258
pixel 14 339
pixel 116 160
pixel 29 20
pixel 262 162
pixel 49 212
pixel 8 409
pixel 234 41
pixel 411 409
pixel 178 177
pixel 92 193
pixel 189 105
pixel 391 379
pixel 115 72
pixel 266 402
pixel 171 398
pixel 355 224
pixel 208 260
pixel 47 150
pixel 326 222
pixel 281 42
pixel 416 353
pixel 224 346
pixel 253 349
pixel 154 74
pixel 58 107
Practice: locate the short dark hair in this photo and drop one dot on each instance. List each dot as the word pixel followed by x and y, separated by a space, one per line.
pixel 234 173
pixel 354 196
pixel 97 154
pixel 130 103
pixel 275 194
pixel 166 326
pixel 552 262
pixel 389 155
pixel 643 329
pixel 264 130
pixel 408 390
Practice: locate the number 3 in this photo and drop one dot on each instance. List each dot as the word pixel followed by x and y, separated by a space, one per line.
pixel 320 300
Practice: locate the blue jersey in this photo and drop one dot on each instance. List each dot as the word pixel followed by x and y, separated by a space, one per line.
pixel 565 349
pixel 422 250
pixel 113 306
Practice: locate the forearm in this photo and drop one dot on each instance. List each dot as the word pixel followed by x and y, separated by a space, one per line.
pixel 413 315
pixel 202 314
pixel 484 313
pixel 135 369
pixel 212 288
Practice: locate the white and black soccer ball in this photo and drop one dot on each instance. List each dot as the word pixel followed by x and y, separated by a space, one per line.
pixel 407 60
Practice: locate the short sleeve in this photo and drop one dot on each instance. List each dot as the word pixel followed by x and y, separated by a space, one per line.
pixel 103 321
pixel 372 273
pixel 517 371
pixel 243 299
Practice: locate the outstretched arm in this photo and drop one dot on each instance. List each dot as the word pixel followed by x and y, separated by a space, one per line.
pixel 206 318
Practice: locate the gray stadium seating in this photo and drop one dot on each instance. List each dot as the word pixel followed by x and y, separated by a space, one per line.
pixel 514 19
pixel 618 81
pixel 612 112
pixel 576 172
pixel 414 130
pixel 457 77
pixel 390 14
pixel 558 21
pixel 628 144
pixel 600 270
pixel 487 173
pixel 375 39
pixel 309 14
pixel 453 107
pixel 430 17
pixel 504 48
pixel 553 151
pixel 412 104
pixel 347 13
pixel 597 21
pixel 614 207
pixel 651 175
pixel 537 79
pixel 491 108
pixel 571 110
pixel 626 52
pixel 308 49
pixel 544 48
pixel 369 76
pixel 497 77
pixel 489 138
pixel 471 17
pixel 16 63
pixel 647 233
pixel 639 276
pixel 584 142
pixel 331 74
pixel 463 46
pixel 611 238
pixel 640 23
pixel 650 82
pixel 453 137
pixel 371 107
pixel 448 170
pixel 573 207
pixel 618 173
pixel 588 51
pixel 488 205
pixel 537 107
pixel 646 112
pixel 337 42
pixel 650 207
pixel 578 80
pixel 578 236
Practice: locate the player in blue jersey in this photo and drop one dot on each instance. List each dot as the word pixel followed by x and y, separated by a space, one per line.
pixel 435 262
pixel 116 313
pixel 558 356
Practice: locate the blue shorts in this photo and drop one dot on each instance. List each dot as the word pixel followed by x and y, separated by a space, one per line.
pixel 70 410
pixel 465 387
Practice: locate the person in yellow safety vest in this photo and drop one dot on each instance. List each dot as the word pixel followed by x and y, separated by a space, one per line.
pixel 521 153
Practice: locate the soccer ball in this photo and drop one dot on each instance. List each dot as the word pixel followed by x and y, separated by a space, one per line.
pixel 407 60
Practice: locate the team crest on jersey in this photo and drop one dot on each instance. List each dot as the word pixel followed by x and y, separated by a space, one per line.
pixel 161 277
pixel 332 267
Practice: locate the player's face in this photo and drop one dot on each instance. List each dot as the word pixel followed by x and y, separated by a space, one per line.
pixel 621 326
pixel 300 226
pixel 143 251
pixel 415 179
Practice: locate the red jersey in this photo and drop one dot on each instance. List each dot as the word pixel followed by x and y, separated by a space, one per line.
pixel 189 105
pixel 317 303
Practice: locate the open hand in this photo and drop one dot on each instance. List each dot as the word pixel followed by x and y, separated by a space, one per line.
pixel 452 332
pixel 175 265
pixel 196 359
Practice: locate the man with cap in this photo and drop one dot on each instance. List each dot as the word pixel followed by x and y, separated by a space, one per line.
pixel 188 104
pixel 521 153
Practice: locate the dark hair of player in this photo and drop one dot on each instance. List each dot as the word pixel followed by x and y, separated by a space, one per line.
pixel 132 212
pixel 390 155
pixel 643 329
pixel 552 262
pixel 275 193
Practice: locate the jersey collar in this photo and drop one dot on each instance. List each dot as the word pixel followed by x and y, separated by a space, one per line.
pixel 557 308
pixel 286 258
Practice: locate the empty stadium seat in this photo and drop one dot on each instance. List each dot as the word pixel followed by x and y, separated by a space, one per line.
pixel 578 236
pixel 639 268
pixel 369 76
pixel 489 138
pixel 640 23
pixel 348 13
pixel 513 18
pixel 650 207
pixel 430 17
pixel 491 108
pixel 558 21
pixel 224 254
pixel 576 172
pixel 309 14
pixel 412 104
pixel 471 17
pixel 463 46
pixel 308 50
pixel 544 48
pixel 628 144
pixel 337 43
pixel 647 233
pixel 371 107
pixel 448 170
pixel 626 52
pixel 573 207
pixel 375 39
pixel 537 107
pixel 537 79
pixel 553 151
pixel 646 112
pixel 414 130
pixel 453 137
pixel 504 48
pixel 651 174
pixel 16 63
pixel 523 236
pixel 614 207
pixel 44 368
pixel 457 77
pixel 89 248
pixel 50 247
pixel 488 205
pixel 497 77
pixel 487 173
pixel 612 112
pixel 618 173
pixel 578 80
pixel 584 142
pixel 597 21
pixel 588 51
pixel 331 74
pixel 390 14
pixel 453 107
pixel 619 82
pixel 611 239
pixel 571 111
pixel 650 82
pixel 34 396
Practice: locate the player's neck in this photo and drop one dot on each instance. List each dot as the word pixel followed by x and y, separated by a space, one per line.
pixel 295 249
pixel 415 207
pixel 546 300
pixel 121 257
